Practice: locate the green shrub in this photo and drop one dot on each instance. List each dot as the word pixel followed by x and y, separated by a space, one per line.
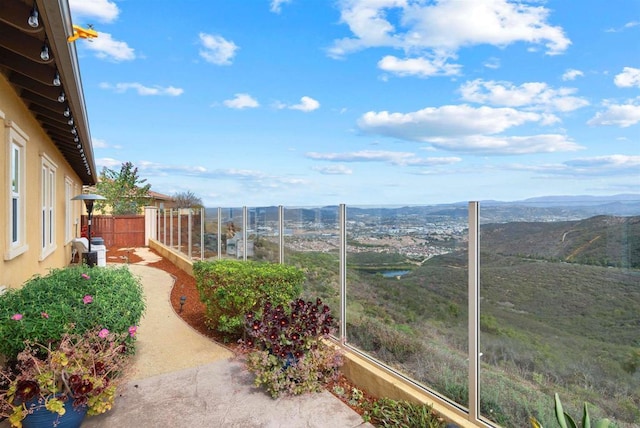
pixel 230 289
pixel 47 306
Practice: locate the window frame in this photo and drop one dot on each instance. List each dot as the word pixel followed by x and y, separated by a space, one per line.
pixel 16 148
pixel 48 170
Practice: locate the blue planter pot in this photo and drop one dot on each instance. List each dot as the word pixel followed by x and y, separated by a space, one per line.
pixel 40 417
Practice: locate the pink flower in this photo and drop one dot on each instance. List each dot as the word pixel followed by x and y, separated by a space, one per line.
pixel 87 299
pixel 44 315
pixel 103 333
pixel 85 276
pixel 17 317
pixel 132 330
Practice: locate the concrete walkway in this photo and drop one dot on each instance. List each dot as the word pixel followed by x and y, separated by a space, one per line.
pixel 183 379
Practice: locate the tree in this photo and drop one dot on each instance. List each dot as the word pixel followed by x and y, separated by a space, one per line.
pixel 126 193
pixel 187 200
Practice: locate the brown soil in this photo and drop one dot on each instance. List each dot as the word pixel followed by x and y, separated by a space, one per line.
pixel 193 313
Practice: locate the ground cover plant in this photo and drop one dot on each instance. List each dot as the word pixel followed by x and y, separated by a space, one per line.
pixel 288 348
pixel 75 298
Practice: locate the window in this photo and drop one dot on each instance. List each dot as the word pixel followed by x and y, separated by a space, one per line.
pixel 48 197
pixel 68 209
pixel 16 243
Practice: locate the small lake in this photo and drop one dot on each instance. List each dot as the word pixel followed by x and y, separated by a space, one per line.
pixel 394 273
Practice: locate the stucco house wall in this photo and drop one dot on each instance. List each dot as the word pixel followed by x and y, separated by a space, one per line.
pixel 15 118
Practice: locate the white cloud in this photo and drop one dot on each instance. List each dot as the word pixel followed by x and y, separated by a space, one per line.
pixel 107 163
pixel 610 162
pixel 446 121
pixel 158 169
pixel 333 170
pixel 102 10
pixel 421 67
pixel 394 158
pixel 622 115
pixel 242 101
pixel 571 74
pixel 461 128
pixel 216 49
pixel 142 89
pixel 492 63
pixel 99 143
pixel 445 26
pixel 506 145
pixel 107 48
pixel 536 95
pixel 276 5
pixel 589 167
pixel 629 77
pixel 626 26
pixel 306 105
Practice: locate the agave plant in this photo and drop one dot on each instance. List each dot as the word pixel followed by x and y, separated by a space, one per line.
pixel 566 421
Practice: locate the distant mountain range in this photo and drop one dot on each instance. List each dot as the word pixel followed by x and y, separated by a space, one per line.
pixel 543 208
pixel 579 200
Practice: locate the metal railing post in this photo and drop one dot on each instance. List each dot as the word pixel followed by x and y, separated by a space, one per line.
pixel 164 227
pixel 171 228
pixel 202 243
pixel 343 272
pixel 245 224
pixel 189 233
pixel 179 231
pixel 281 233
pixel 474 310
pixel 219 233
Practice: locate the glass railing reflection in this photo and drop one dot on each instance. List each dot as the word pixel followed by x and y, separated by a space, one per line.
pixel 560 305
pixel 407 292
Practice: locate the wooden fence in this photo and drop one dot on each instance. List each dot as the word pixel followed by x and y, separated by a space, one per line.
pixel 118 231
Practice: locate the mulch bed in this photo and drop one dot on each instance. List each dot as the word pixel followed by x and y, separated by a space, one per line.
pixel 193 312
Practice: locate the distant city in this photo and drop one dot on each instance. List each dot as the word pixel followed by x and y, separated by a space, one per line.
pixel 415 232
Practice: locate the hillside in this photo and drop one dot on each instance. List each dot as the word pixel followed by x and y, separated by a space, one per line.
pixel 600 240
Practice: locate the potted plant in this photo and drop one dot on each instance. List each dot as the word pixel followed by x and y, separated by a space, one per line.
pixel 287 347
pixel 72 377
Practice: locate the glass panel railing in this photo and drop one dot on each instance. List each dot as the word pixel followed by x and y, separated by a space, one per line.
pixel 560 305
pixel 231 232
pixel 407 292
pixel 211 237
pixel 263 234
pixel 311 242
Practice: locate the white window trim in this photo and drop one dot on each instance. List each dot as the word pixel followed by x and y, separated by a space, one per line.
pixel 68 209
pixel 15 137
pixel 48 206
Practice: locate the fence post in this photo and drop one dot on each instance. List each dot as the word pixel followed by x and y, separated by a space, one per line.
pixel 150 224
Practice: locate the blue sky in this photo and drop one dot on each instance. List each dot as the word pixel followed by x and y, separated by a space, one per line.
pixel 318 102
